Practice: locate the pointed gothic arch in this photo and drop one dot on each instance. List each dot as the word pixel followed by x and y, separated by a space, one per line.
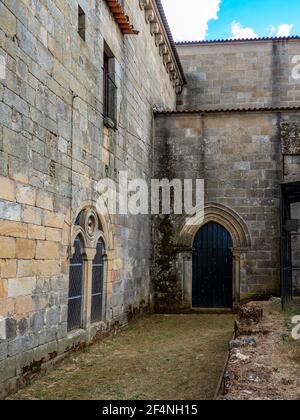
pixel 241 240
pixel 226 217
pixel 104 224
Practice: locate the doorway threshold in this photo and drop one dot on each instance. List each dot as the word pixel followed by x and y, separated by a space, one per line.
pixel 217 311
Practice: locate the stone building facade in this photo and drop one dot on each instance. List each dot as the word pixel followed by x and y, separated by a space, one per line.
pixel 240 74
pixel 90 88
pixel 234 118
pixel 57 141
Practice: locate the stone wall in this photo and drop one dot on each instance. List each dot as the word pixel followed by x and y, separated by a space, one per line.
pixel 54 148
pixel 239 156
pixel 239 74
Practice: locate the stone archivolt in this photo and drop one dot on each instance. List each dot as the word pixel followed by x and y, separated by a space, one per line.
pixel 158 31
pixel 89 228
pixel 225 216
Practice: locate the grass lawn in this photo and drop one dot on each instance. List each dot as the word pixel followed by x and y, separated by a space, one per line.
pixel 159 357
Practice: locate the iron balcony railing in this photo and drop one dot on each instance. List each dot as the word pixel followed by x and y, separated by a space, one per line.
pixel 109 97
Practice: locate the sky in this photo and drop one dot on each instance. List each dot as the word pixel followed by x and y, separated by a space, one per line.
pixel 221 19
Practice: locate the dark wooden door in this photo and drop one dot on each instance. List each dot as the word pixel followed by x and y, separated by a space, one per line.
pixel 212 268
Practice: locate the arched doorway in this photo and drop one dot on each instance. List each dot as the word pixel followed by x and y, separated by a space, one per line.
pixel 212 268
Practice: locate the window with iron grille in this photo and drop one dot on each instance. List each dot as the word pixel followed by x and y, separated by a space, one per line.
pixel 97 283
pixel 76 281
pixel 81 23
pixel 109 89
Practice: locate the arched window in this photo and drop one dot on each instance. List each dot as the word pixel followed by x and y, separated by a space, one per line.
pixel 76 281
pixel 97 283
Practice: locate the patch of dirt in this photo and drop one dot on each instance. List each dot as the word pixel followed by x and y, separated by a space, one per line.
pixel 178 357
pixel 264 361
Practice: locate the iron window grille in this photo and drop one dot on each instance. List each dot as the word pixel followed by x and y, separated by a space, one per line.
pixel 76 284
pixel 109 93
pixel 81 23
pixel 97 284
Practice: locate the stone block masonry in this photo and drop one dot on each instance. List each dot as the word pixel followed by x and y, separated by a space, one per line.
pixel 57 141
pixel 239 74
pixel 54 148
pixel 242 155
pixel 238 154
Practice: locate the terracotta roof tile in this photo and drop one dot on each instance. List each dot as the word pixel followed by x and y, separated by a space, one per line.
pixel 221 110
pixel 217 41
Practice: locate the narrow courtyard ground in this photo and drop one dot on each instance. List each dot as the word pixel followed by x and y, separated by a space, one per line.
pixel 158 357
pixel 264 362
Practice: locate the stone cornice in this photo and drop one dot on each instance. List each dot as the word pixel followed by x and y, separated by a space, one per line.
pixel 163 42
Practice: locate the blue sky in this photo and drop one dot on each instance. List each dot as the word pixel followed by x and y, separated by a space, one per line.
pixel 215 19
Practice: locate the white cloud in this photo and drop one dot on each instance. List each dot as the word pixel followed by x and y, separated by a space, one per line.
pixel 271 31
pixel 238 31
pixel 189 19
pixel 284 30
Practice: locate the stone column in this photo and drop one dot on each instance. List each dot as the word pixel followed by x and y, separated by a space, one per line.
pixel 90 254
pixel 105 287
pixel 187 262
pixel 236 277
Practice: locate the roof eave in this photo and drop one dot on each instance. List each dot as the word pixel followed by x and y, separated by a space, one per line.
pixel 228 41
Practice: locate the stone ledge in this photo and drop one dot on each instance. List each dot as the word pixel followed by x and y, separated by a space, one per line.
pixel 159 29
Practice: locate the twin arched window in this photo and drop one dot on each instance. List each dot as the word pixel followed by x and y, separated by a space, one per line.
pixel 84 278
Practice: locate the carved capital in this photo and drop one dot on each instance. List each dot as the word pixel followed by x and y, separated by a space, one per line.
pixel 90 254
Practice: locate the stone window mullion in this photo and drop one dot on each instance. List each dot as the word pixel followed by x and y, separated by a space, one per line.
pixel 88 274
